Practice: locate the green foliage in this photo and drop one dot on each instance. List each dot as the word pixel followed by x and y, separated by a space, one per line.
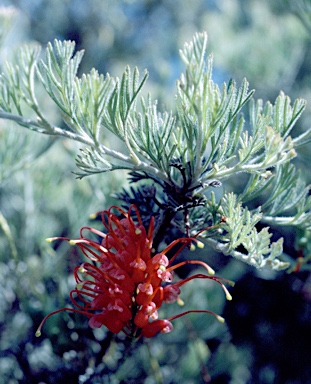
pixel 303 10
pixel 240 230
pixel 18 150
pixel 206 141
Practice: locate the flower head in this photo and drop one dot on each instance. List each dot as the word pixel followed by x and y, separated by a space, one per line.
pixel 123 284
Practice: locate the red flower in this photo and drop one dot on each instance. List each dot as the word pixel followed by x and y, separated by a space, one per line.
pixel 124 284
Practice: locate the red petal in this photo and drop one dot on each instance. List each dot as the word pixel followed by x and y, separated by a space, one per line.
pixel 114 325
pixel 151 329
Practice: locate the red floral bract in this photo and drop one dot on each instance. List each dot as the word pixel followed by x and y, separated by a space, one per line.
pixel 125 283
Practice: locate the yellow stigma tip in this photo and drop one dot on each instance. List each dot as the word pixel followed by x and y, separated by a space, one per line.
pixel 49 239
pixel 38 333
pixel 211 271
pixel 200 244
pixel 228 297
pixel 93 216
pixel 180 302
pixel 220 319
pixel 192 247
pixel 137 231
pixel 72 242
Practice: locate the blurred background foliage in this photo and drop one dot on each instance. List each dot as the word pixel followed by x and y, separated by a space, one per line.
pixel 267 335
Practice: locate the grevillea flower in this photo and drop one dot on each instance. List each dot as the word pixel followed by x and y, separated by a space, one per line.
pixel 124 283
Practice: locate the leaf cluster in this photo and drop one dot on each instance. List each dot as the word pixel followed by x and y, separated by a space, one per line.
pixel 204 144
